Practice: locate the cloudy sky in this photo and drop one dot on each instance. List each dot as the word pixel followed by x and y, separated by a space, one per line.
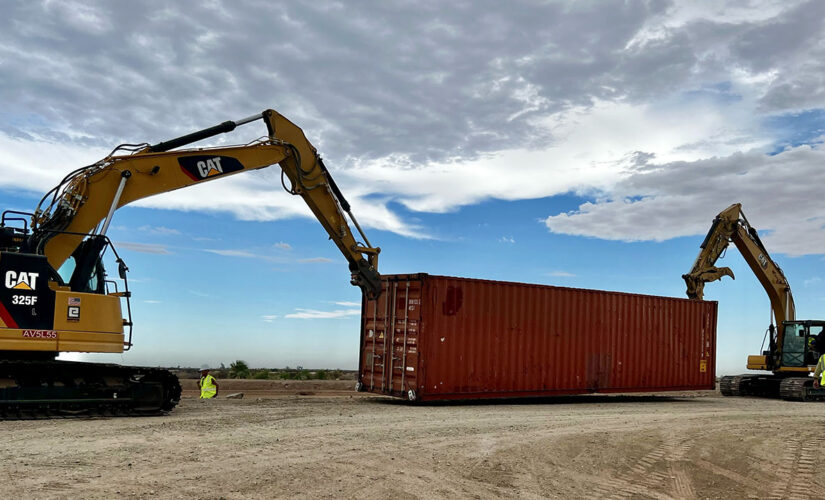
pixel 584 144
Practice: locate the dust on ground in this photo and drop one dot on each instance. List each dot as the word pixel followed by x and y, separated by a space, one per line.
pixel 319 439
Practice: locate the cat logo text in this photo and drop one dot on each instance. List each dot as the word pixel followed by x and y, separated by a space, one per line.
pixel 202 167
pixel 21 280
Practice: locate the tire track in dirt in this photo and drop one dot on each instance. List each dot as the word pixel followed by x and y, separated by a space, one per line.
pixel 682 485
pixel 613 487
pixel 446 481
pixel 727 473
pixel 644 480
pixel 805 467
pixel 641 476
pixel 786 473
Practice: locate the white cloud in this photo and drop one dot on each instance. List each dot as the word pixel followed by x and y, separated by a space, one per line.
pixel 537 106
pixel 38 164
pixel 627 135
pixel 561 274
pixel 235 253
pixel 143 247
pixel 283 246
pixel 314 314
pixel 159 230
pixel 812 281
pixel 80 16
pixel 245 254
pixel 348 304
pixel 269 318
pixel 507 239
pixel 315 260
pixel 662 201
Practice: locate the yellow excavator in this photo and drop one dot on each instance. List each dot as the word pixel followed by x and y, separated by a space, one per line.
pixel 794 345
pixel 57 297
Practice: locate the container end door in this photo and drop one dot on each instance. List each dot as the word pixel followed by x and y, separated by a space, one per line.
pixel 389 349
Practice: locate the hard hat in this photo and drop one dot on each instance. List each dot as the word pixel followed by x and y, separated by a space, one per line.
pixel 204 367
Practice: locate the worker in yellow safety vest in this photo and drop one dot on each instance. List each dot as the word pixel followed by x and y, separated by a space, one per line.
pixel 819 373
pixel 207 384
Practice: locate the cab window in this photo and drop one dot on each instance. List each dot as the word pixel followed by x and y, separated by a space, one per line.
pixel 67 269
pixel 793 350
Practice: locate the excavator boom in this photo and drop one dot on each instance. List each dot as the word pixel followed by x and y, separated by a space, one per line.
pixel 89 196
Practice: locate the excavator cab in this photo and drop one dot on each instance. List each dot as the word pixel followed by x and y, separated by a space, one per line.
pixel 803 343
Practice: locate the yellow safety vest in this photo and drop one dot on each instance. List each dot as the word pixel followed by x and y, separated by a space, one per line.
pixel 822 375
pixel 208 389
pixel 820 365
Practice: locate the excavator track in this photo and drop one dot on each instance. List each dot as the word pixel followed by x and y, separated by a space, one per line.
pixel 59 389
pixel 771 386
pixel 763 386
pixel 801 389
pixel 795 388
pixel 731 385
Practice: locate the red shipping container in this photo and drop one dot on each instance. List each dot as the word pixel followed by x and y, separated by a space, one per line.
pixel 439 337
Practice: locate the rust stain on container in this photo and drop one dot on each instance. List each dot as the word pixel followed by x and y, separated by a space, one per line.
pixel 438 337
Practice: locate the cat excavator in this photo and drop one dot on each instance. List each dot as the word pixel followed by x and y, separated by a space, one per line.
pixel 56 296
pixel 794 345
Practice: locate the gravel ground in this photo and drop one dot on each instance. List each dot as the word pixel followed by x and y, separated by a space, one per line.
pixel 320 440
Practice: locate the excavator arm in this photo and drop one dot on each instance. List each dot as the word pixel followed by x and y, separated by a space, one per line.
pixel 82 205
pixel 731 225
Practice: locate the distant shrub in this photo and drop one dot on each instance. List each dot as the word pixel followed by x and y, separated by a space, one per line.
pixel 239 369
pixel 260 374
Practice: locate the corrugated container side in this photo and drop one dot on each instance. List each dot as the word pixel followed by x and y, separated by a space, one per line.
pixel 437 337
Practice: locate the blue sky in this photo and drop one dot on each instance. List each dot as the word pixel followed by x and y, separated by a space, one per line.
pixel 567 143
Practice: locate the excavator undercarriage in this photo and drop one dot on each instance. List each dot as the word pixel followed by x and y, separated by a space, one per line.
pixel 771 386
pixel 46 389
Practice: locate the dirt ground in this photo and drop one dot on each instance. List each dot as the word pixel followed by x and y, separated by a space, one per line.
pixel 321 440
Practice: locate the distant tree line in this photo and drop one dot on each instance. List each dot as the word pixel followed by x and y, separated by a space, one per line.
pixel 240 369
